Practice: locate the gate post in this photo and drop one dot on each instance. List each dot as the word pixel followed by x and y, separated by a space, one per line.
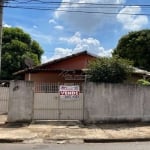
pixel 20 105
pixel 84 109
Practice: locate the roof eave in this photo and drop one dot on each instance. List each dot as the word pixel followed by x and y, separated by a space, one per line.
pixel 53 61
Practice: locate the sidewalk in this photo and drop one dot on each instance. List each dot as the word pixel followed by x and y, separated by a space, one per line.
pixel 62 132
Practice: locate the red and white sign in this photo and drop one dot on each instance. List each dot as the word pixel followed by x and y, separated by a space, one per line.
pixel 69 92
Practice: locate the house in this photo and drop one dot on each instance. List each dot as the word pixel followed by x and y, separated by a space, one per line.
pixel 69 69
pixel 138 74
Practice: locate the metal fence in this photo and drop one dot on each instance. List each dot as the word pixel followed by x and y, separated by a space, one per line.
pixel 4 96
pixel 41 87
pixel 48 104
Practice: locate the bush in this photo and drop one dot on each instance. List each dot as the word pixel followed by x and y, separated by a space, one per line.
pixel 109 70
pixel 143 82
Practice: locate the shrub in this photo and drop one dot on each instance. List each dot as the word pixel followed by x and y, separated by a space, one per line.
pixel 143 82
pixel 109 70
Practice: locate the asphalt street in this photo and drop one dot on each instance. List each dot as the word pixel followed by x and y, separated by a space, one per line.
pixel 93 146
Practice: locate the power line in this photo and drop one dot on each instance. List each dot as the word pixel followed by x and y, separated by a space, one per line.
pixel 71 3
pixel 66 6
pixel 56 2
pixel 43 5
pixel 77 11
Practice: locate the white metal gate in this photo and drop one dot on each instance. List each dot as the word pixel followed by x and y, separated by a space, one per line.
pixel 4 97
pixel 49 106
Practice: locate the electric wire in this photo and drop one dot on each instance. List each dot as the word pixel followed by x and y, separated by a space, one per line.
pixel 70 7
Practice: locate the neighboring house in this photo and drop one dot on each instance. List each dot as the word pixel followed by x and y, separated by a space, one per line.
pixel 69 69
pixel 138 74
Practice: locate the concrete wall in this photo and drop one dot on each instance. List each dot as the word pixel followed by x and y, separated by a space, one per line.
pixel 116 102
pixel 146 104
pixel 20 106
pixel 102 102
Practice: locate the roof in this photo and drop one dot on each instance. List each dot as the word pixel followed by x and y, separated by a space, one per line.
pixel 141 71
pixel 39 67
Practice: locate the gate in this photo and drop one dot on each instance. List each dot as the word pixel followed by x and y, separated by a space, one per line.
pixel 49 106
pixel 4 97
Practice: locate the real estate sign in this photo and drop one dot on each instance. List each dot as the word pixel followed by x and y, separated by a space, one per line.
pixel 69 92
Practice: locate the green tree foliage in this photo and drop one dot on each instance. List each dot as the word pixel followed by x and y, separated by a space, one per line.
pixel 18 45
pixel 109 70
pixel 143 82
pixel 135 46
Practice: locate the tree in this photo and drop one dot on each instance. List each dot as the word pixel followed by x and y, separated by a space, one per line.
pixel 109 70
pixel 18 45
pixel 135 46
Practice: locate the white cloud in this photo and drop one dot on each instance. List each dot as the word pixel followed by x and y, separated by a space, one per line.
pixel 79 44
pixel 58 27
pixel 45 59
pixel 52 21
pixel 6 25
pixel 90 44
pixel 61 52
pixel 75 39
pixel 86 21
pixel 58 53
pixel 132 22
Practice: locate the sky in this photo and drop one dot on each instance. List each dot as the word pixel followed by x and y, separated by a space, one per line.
pixel 61 32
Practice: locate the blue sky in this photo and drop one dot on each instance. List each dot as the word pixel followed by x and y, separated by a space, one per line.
pixel 62 33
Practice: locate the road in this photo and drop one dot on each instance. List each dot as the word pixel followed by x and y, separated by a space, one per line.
pixel 94 146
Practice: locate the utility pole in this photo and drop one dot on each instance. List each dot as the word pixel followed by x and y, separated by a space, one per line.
pixel 1 24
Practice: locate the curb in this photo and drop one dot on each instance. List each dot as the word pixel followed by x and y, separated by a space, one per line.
pixel 62 141
pixel 115 140
pixel 11 140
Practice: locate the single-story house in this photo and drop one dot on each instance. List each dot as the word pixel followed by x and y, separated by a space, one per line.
pixel 69 69
pixel 138 74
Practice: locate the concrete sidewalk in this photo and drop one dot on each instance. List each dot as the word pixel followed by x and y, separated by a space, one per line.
pixel 61 132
